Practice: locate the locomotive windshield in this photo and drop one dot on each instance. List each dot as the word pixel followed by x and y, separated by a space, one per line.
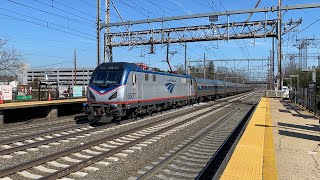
pixel 106 78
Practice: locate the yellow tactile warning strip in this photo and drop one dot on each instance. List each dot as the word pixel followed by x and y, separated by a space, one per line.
pixel 269 160
pixel 251 158
pixel 40 103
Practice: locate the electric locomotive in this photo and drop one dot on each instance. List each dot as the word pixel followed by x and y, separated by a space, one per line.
pixel 121 89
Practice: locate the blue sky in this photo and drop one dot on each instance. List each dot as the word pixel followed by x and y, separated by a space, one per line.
pixel 48 31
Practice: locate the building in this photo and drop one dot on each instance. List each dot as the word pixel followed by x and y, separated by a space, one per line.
pixel 60 76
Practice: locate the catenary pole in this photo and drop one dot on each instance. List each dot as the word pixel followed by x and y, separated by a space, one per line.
pixel 98 32
pixel 279 81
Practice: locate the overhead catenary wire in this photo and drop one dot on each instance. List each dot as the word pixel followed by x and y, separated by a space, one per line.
pixel 314 22
pixel 181 22
pixel 62 10
pixel 46 22
pixel 38 24
pixel 48 65
pixel 70 7
pixel 53 14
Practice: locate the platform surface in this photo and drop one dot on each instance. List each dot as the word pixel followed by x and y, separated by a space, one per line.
pixel 297 141
pixel 40 103
pixel 281 141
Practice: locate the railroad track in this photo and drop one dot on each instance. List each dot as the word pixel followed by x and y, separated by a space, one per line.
pixel 22 129
pixel 187 159
pixel 112 147
pixel 42 139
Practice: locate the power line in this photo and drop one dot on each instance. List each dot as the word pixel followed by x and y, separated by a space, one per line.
pixel 15 18
pixel 135 8
pixel 199 44
pixel 242 49
pixel 73 8
pixel 64 62
pixel 47 23
pixel 52 6
pixel 302 30
pixel 47 12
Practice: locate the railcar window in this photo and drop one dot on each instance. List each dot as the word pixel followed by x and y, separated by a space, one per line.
pixel 154 77
pixel 191 82
pixel 146 77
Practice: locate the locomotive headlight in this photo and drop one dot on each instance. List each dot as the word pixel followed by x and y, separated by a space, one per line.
pixel 114 95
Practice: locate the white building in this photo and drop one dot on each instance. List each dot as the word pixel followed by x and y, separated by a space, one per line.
pixel 61 76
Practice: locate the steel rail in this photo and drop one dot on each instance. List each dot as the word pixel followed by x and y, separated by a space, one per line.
pixel 168 159
pixel 55 139
pixel 44 159
pixel 32 136
pixel 34 126
pixel 87 162
pixel 213 164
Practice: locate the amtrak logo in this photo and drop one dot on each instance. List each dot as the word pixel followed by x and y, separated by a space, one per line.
pixel 102 91
pixel 170 87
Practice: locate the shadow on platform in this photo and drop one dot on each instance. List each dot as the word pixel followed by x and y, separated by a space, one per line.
pixel 293 107
pixel 315 128
pixel 300 135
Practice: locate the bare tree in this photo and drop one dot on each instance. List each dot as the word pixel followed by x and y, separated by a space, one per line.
pixel 180 69
pixel 10 61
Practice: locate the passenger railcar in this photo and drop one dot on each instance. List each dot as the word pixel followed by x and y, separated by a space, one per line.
pixel 208 89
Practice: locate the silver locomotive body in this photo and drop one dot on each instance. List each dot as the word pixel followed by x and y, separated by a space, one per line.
pixel 117 90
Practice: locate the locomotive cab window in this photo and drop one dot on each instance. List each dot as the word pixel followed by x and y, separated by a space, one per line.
pixel 146 77
pixel 103 78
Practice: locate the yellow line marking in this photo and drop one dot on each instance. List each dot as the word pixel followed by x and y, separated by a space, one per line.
pixel 248 161
pixel 269 161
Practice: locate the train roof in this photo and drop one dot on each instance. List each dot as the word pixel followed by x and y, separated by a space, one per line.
pixel 133 67
pixel 218 82
pixel 208 81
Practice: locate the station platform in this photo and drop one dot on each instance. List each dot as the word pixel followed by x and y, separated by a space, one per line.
pixel 26 104
pixel 19 111
pixel 281 141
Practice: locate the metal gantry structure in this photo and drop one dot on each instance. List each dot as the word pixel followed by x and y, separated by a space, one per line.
pixel 249 29
pixel 212 32
pixel 303 45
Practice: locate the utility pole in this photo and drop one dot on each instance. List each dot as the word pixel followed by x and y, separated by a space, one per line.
pixel 272 66
pixel 107 54
pixel 270 73
pixel 204 65
pixel 189 67
pixel 279 81
pixel 98 32
pixel 185 57
pixel 75 66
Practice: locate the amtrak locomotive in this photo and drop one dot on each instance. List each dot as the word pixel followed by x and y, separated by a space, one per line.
pixel 117 90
